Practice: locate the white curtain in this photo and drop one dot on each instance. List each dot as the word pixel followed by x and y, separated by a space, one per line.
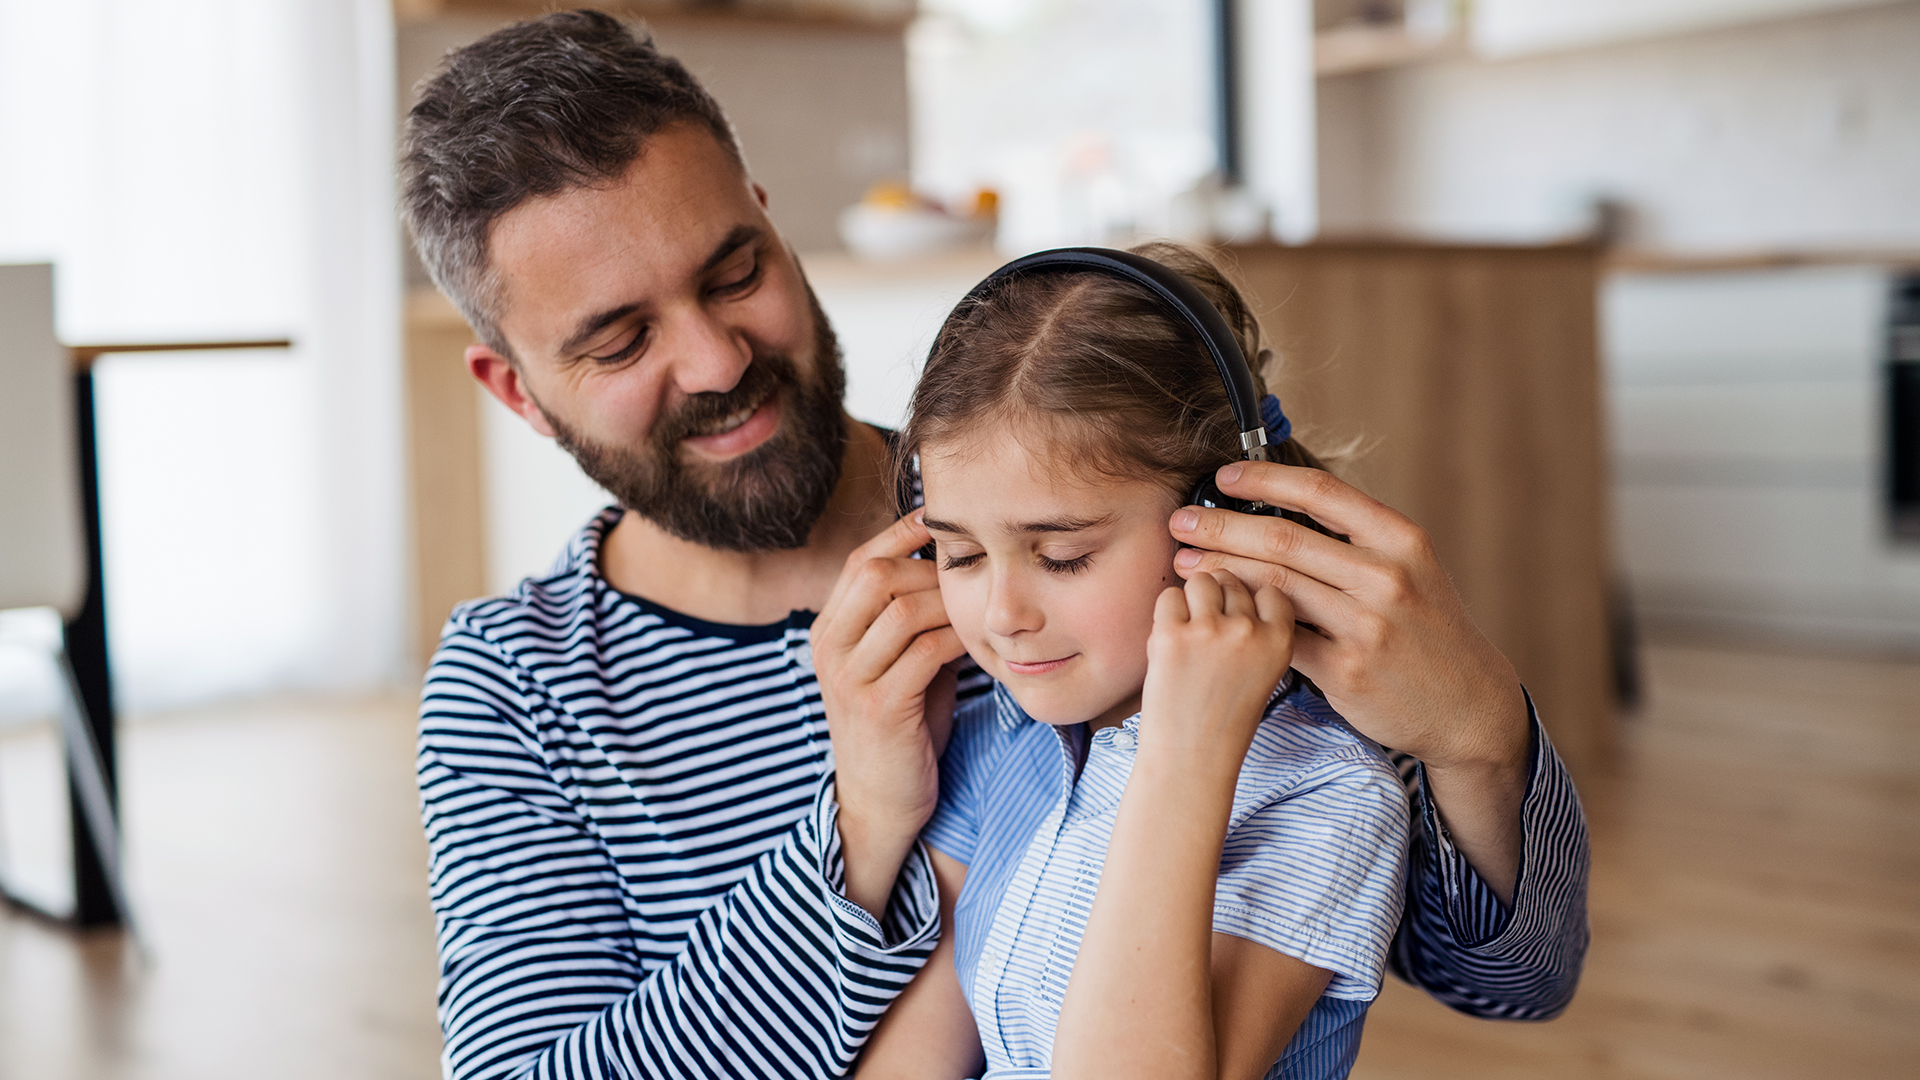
pixel 222 169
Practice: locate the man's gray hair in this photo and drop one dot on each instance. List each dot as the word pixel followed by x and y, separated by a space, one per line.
pixel 540 107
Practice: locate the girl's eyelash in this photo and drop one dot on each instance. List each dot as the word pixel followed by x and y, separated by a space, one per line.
pixel 1052 566
pixel 1066 566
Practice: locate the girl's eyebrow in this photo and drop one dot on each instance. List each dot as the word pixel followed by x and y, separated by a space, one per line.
pixel 1065 525
pixel 1062 525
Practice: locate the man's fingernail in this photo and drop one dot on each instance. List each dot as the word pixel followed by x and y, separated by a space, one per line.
pixel 1230 473
pixel 1186 558
pixel 1186 521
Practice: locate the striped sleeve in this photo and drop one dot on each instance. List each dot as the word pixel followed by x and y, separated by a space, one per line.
pixel 542 974
pixel 1476 954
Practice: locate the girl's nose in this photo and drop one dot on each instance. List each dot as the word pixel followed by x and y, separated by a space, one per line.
pixel 1012 608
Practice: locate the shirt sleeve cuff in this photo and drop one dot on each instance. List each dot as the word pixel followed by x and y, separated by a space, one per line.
pixel 1476 916
pixel 912 921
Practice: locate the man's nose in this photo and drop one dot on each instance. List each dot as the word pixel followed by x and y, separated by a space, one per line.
pixel 709 356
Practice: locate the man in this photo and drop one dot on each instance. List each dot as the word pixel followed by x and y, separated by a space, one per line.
pixel 661 845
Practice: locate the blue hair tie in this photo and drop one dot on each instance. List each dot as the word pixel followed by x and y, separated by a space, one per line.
pixel 1279 428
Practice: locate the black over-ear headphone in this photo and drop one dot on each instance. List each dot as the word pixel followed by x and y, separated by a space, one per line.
pixel 1181 297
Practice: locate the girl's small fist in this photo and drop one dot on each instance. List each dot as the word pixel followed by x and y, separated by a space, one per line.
pixel 1213 659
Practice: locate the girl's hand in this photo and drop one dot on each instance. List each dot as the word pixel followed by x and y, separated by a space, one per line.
pixel 1213 659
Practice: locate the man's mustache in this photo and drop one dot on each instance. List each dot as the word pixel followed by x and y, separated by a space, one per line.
pixel 764 377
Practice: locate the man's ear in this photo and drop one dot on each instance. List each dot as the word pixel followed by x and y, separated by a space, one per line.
pixel 502 380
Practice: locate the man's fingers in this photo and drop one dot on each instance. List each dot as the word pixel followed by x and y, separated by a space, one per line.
pixel 1271 540
pixel 1314 601
pixel 866 590
pixel 1318 659
pixel 893 632
pixel 1315 492
pixel 896 541
pixel 915 667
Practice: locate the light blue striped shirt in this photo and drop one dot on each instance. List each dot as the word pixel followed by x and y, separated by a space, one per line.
pixel 1314 866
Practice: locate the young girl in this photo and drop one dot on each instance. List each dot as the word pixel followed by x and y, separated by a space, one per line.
pixel 1157 858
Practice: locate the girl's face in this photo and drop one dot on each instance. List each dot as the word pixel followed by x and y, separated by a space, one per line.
pixel 1050 578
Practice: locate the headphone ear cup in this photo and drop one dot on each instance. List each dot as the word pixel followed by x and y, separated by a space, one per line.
pixel 1208 494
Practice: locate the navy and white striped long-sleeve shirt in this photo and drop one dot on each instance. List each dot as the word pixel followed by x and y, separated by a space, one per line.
pixel 635 866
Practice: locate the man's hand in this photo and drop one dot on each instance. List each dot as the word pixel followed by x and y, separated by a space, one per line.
pixel 879 646
pixel 1392 647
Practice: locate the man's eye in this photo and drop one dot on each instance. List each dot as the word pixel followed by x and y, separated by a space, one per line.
pixel 740 281
pixel 1066 566
pixel 624 353
pixel 961 562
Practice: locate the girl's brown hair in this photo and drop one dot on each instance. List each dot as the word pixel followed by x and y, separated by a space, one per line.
pixel 1111 379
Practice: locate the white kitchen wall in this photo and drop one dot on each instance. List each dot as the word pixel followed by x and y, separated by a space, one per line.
pixel 1747 434
pixel 1793 133
pixel 1517 27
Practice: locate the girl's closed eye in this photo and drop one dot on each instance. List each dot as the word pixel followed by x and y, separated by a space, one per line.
pixel 1066 566
pixel 950 561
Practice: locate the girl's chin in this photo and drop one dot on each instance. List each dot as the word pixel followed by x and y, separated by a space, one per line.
pixel 1053 710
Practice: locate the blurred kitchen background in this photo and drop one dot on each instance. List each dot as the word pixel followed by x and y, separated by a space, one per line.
pixel 1620 300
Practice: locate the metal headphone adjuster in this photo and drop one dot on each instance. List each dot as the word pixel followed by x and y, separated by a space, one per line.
pixel 1254 442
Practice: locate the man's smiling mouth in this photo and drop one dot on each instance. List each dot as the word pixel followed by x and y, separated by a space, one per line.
pixel 727 423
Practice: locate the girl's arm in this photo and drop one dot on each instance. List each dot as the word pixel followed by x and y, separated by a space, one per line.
pixel 928 1032
pixel 1154 992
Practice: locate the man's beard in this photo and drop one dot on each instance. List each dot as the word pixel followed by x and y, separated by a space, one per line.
pixel 764 500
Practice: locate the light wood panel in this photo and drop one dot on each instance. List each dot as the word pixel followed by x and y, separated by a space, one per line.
pixel 444 467
pixel 1470 377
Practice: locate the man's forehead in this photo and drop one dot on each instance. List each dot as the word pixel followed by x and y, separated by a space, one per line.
pixel 622 241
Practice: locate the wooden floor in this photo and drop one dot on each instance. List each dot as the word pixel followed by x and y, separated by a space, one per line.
pixel 1756 891
pixel 1756 900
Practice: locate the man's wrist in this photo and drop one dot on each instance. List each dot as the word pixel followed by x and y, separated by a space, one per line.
pixel 872 850
pixel 1479 797
pixel 1499 744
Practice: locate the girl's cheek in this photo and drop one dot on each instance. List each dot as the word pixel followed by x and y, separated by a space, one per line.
pixel 965 603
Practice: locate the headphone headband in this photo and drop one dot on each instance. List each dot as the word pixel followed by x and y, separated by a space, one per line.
pixel 1177 293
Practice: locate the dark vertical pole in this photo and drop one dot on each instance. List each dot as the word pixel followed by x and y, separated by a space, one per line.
pixel 1226 89
pixel 86 641
pixel 1903 408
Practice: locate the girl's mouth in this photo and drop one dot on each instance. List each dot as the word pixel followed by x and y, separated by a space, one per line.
pixel 1037 667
